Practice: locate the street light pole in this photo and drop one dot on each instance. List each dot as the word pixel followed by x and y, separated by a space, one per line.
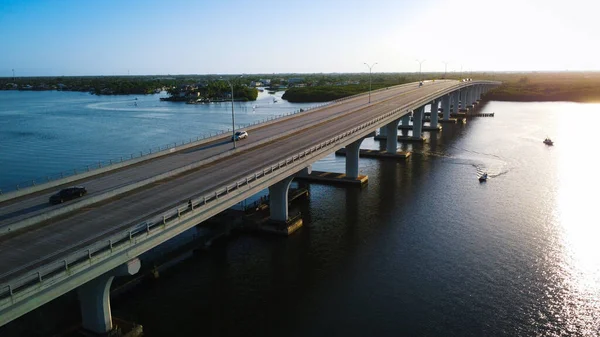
pixel 420 63
pixel 232 114
pixel 445 69
pixel 370 67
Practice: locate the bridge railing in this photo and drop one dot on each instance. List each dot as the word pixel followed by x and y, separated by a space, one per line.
pixel 52 270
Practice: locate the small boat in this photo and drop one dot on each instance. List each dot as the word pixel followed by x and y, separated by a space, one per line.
pixel 483 177
pixel 548 141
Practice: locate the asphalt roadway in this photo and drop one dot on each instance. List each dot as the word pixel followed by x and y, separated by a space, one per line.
pixel 24 251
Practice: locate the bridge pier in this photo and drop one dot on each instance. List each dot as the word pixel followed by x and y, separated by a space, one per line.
pixel 433 118
pixel 278 199
pixel 391 143
pixel 405 119
pixel 470 94
pixel 456 101
pixel 446 108
pixel 418 123
pixel 94 298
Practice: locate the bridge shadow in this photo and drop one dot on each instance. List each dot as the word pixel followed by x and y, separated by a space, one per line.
pixel 24 211
pixel 209 146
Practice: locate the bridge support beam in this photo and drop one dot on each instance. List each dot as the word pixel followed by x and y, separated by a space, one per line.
pixel 278 199
pixel 94 298
pixel 433 121
pixel 391 143
pixel 446 107
pixel 418 122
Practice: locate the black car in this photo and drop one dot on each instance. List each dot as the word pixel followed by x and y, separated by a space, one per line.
pixel 67 194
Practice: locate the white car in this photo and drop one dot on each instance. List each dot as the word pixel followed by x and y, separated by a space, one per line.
pixel 240 135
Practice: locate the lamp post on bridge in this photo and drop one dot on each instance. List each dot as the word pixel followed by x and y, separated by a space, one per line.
pixel 232 113
pixel 420 63
pixel 370 67
pixel 445 68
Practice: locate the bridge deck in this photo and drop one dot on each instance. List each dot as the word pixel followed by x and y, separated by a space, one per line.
pixel 26 251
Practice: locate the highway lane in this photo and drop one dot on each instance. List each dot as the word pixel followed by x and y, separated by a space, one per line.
pixel 22 208
pixel 90 224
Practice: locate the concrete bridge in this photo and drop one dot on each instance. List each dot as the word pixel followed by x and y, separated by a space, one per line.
pixel 46 251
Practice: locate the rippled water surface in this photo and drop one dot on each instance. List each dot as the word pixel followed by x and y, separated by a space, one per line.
pixel 423 250
pixel 45 133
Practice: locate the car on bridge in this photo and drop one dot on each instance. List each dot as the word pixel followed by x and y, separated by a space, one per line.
pixel 240 135
pixel 66 194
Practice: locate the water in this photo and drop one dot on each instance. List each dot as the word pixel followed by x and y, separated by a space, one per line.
pixel 45 133
pixel 423 250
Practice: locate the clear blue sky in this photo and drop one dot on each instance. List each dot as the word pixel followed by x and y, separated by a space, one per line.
pixel 263 36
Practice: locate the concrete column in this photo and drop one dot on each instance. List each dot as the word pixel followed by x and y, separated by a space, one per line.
pixel 434 113
pixel 94 301
pixel 382 131
pixel 456 101
pixel 391 143
pixel 418 122
pixel 94 298
pixel 278 199
pixel 405 119
pixel 353 153
pixel 446 106
pixel 468 95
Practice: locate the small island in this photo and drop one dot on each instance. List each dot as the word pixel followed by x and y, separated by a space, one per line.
pixel 207 92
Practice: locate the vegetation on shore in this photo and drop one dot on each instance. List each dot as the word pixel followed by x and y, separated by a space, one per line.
pixel 325 88
pixel 524 86
pixel 556 86
pixel 99 85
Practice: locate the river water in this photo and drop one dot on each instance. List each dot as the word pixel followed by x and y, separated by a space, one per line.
pixel 423 250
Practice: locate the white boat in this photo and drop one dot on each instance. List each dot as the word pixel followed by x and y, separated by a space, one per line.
pixel 483 177
pixel 548 141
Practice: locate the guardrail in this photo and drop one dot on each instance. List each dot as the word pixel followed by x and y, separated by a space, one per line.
pixel 101 250
pixel 8 192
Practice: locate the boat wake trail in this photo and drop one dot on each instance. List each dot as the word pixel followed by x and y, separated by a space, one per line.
pixel 493 165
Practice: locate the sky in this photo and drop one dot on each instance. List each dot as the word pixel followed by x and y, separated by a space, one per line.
pixel 72 38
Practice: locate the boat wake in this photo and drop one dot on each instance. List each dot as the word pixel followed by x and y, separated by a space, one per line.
pixel 105 106
pixel 494 167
